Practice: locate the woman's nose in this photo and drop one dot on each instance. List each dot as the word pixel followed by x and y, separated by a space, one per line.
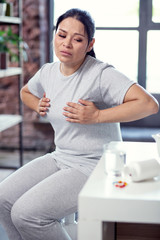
pixel 67 42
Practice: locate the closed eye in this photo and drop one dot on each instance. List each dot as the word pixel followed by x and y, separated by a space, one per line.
pixel 62 36
pixel 78 40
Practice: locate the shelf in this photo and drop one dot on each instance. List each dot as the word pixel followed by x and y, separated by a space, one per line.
pixel 10 72
pixel 8 120
pixel 10 20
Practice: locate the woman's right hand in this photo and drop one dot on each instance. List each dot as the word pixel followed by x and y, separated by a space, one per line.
pixel 43 105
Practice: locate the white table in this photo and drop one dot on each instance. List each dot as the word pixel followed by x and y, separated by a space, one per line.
pixel 100 201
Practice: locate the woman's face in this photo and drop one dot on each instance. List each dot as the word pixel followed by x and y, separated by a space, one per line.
pixel 71 42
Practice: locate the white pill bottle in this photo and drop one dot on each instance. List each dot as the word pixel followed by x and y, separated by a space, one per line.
pixel 142 170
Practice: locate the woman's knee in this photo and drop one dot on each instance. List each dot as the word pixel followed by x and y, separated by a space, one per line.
pixel 17 216
pixel 24 216
pixel 20 214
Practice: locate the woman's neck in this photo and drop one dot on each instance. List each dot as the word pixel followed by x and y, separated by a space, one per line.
pixel 68 70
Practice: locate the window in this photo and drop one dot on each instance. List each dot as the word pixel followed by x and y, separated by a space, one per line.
pixel 127 36
pixel 153 61
pixel 156 11
pixel 116 47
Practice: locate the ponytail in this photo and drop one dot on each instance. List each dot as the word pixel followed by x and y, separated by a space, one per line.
pixel 92 53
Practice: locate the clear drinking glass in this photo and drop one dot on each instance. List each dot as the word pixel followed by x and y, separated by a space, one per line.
pixel 115 160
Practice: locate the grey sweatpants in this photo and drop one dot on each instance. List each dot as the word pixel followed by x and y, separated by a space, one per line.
pixel 36 197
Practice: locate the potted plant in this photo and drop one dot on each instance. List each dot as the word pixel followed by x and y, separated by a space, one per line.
pixel 3 7
pixel 8 39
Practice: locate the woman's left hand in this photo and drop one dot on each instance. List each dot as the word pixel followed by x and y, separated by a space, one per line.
pixel 84 113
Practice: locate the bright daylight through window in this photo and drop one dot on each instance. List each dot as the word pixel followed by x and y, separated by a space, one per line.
pixel 117 36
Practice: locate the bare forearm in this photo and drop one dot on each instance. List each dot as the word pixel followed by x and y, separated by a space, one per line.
pixel 38 105
pixel 137 104
pixel 129 111
pixel 29 100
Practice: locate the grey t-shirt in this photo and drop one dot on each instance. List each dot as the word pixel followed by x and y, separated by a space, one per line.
pixel 81 145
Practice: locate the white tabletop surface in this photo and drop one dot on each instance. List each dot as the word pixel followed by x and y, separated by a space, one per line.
pixel 139 202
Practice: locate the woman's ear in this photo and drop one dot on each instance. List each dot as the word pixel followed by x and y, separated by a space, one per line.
pixel 90 46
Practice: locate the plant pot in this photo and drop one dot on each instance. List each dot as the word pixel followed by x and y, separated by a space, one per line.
pixel 4 58
pixel 3 7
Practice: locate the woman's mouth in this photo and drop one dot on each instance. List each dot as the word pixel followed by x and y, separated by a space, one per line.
pixel 64 53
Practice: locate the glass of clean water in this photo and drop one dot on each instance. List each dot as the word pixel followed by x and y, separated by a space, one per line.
pixel 115 160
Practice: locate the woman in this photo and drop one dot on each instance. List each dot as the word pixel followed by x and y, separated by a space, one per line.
pixel 84 99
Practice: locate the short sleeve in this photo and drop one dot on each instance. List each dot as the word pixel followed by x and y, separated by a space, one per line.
pixel 114 85
pixel 35 86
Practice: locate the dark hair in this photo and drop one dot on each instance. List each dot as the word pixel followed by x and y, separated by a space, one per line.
pixel 85 18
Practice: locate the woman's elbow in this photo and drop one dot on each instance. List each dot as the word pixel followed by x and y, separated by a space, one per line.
pixel 153 106
pixel 22 93
pixel 24 90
